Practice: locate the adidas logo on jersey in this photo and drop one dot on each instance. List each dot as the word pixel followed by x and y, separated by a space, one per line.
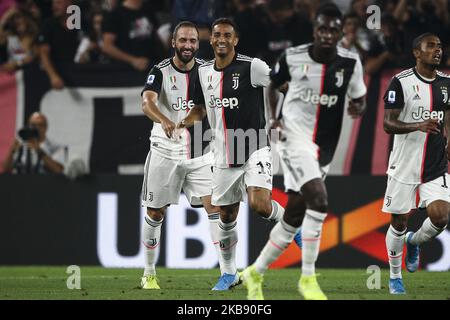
pixel 306 95
pixel 423 114
pixel 416 97
pixel 224 102
pixel 182 104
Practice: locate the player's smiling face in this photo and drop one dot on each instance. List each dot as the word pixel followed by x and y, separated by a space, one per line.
pixel 223 40
pixel 430 51
pixel 186 44
pixel 327 32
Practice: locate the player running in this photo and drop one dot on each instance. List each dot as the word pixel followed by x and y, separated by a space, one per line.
pixel 230 93
pixel 177 159
pixel 416 108
pixel 320 77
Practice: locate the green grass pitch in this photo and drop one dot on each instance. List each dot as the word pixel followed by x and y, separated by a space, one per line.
pixel 100 283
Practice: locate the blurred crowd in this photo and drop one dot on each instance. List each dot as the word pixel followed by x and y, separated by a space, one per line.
pixel 137 33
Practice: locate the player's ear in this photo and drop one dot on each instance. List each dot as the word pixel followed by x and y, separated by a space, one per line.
pixel 173 43
pixel 416 53
pixel 236 41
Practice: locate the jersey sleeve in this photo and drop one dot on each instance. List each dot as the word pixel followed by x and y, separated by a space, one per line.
pixel 280 73
pixel 154 81
pixel 259 73
pixel 198 98
pixel 357 87
pixel 393 97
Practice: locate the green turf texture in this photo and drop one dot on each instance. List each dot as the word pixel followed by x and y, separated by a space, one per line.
pixel 99 283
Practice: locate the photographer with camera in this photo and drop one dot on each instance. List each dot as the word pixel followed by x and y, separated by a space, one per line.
pixel 33 152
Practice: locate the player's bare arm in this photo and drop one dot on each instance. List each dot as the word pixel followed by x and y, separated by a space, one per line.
pixel 394 126
pixel 356 107
pixel 197 113
pixel 151 110
pixel 447 131
pixel 273 95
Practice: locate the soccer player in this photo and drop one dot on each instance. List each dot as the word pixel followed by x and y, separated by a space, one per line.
pixel 230 93
pixel 416 109
pixel 177 159
pixel 320 77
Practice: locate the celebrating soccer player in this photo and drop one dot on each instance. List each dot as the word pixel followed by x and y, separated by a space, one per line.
pixel 230 93
pixel 416 109
pixel 319 76
pixel 177 159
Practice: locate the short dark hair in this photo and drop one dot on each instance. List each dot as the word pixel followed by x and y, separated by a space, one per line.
pixel 329 10
pixel 184 24
pixel 225 21
pixel 418 40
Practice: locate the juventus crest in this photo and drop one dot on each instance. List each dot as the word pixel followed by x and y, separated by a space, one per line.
pixel 445 94
pixel 339 78
pixel 235 81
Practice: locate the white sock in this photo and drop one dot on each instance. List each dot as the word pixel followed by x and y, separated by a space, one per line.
pixel 311 233
pixel 426 232
pixel 228 239
pixel 281 236
pixel 394 245
pixel 277 212
pixel 214 231
pixel 151 235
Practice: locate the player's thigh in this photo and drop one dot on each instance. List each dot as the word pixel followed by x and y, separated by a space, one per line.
pixel 435 196
pixel 299 168
pixel 198 181
pixel 434 190
pixel 227 186
pixel 258 171
pixel 162 183
pixel 400 198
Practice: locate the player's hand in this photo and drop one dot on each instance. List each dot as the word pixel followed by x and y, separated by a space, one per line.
pixel 140 63
pixel 57 82
pixel 356 108
pixel 429 126
pixel 33 144
pixel 168 127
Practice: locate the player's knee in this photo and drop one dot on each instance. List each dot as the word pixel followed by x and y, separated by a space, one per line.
pixel 156 214
pixel 229 213
pixel 319 203
pixel 440 220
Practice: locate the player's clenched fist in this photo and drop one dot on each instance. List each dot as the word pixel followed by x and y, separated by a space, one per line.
pixel 429 126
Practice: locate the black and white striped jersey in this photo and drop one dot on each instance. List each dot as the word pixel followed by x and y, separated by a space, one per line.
pixel 234 101
pixel 314 105
pixel 175 90
pixel 418 157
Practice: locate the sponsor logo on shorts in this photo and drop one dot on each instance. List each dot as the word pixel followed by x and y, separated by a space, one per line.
pixel 150 196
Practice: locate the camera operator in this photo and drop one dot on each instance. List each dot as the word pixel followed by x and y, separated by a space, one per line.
pixel 33 152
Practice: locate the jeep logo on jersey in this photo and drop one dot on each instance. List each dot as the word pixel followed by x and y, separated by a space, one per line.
pixel 224 102
pixel 182 104
pixel 423 114
pixel 306 95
